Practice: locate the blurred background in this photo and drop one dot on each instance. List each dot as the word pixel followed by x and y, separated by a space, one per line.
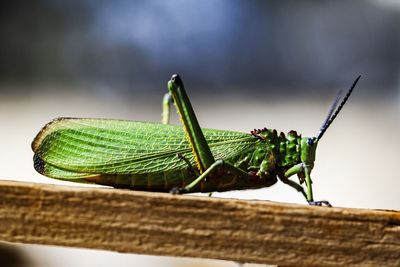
pixel 245 64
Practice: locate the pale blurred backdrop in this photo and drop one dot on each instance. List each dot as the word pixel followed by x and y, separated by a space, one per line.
pixel 245 64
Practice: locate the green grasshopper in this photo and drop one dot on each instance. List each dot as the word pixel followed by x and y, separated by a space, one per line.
pixel 167 158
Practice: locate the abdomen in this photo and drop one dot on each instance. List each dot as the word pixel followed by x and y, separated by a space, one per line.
pixel 156 182
pixel 165 181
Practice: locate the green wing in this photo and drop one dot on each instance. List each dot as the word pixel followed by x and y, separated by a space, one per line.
pixel 69 148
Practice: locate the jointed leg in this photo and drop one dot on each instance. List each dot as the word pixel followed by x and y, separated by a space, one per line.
pixel 301 167
pixel 320 203
pixel 227 167
pixel 202 153
pixel 191 169
pixel 299 188
pixel 166 107
pixel 293 184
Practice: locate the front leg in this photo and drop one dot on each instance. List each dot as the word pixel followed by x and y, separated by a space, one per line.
pixel 320 203
pixel 301 167
pixel 293 184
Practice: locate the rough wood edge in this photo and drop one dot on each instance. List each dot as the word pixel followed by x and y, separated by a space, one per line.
pixel 165 224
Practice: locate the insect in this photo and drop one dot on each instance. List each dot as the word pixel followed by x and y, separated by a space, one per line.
pixel 168 158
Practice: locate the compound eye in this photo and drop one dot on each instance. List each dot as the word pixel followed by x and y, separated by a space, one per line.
pixel 310 141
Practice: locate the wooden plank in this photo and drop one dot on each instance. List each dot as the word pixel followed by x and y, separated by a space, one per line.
pixel 191 226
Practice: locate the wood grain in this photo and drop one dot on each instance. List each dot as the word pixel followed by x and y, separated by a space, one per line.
pixel 165 224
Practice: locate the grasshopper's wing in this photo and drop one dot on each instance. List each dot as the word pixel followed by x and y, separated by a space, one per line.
pixel 69 148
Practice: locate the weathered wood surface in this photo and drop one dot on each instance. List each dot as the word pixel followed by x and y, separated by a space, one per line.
pixel 165 224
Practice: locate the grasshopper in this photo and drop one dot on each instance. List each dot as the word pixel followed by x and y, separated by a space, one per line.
pixel 168 158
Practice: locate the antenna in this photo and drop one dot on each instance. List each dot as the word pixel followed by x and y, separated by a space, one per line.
pixel 335 111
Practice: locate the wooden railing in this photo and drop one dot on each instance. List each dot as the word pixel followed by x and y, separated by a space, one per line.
pixel 205 227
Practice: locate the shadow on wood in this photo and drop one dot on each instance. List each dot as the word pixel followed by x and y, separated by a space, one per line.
pixel 171 225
